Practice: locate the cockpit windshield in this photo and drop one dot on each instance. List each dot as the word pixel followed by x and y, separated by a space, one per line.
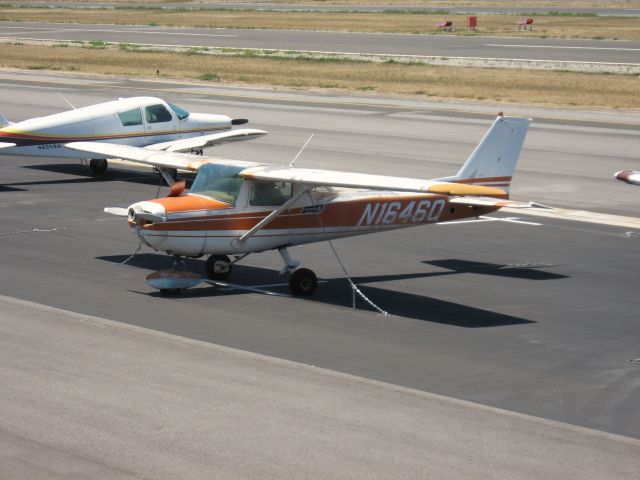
pixel 180 112
pixel 220 182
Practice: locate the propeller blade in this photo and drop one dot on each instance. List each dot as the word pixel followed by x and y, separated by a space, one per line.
pixel 119 211
pixel 239 121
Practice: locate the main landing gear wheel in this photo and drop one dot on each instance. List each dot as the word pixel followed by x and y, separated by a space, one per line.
pixel 98 165
pixel 218 267
pixel 303 282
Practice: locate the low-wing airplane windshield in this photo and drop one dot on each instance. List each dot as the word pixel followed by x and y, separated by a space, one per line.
pixel 180 112
pixel 221 182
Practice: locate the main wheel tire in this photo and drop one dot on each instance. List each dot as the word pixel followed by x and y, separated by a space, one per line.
pixel 218 267
pixel 303 282
pixel 98 165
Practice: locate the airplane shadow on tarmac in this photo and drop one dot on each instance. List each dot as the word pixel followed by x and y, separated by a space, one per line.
pixel 336 291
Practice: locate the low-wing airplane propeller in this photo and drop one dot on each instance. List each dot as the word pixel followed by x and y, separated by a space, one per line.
pixel 237 208
pixel 148 122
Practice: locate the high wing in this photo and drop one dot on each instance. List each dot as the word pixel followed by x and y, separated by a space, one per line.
pixel 160 159
pixel 306 176
pixel 332 178
pixel 204 141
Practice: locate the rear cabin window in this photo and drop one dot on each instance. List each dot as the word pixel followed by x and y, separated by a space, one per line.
pixel 157 113
pixel 270 194
pixel 131 117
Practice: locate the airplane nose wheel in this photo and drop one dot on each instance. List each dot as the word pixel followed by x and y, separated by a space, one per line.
pixel 303 282
pixel 218 267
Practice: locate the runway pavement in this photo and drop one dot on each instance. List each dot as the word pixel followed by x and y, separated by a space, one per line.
pixel 538 320
pixel 591 51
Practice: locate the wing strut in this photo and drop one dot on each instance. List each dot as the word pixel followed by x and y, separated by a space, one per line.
pixel 272 216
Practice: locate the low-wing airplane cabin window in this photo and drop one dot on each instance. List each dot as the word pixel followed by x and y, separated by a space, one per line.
pixel 181 113
pixel 270 194
pixel 157 113
pixel 220 182
pixel 131 117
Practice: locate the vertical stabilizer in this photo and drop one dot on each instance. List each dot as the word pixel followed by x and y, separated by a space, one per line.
pixel 4 122
pixel 494 160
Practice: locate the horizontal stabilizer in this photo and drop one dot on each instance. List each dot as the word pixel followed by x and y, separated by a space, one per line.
pixel 204 141
pixel 7 145
pixel 490 202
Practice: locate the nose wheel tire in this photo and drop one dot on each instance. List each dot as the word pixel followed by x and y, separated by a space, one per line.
pixel 303 282
pixel 218 267
pixel 98 166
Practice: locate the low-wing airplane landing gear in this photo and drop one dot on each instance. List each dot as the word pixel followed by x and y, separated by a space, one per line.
pixel 98 165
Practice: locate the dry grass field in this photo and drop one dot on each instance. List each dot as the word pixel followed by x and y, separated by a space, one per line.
pixel 557 26
pixel 417 3
pixel 514 86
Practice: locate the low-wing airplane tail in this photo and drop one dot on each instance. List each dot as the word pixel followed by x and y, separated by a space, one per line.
pixel 493 162
pixel 3 121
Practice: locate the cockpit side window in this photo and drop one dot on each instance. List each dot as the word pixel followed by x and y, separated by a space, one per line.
pixel 220 182
pixel 157 113
pixel 270 194
pixel 181 113
pixel 131 117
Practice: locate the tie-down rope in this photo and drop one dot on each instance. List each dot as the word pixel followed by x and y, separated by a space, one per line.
pixel 354 288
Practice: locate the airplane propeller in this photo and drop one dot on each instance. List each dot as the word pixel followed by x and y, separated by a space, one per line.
pixel 239 121
pixel 118 211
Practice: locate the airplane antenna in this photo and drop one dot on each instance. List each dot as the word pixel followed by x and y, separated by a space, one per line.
pixel 301 150
pixel 67 101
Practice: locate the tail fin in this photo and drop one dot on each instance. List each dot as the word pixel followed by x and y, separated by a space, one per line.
pixel 4 122
pixel 494 160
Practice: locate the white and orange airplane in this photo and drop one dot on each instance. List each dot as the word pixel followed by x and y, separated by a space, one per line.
pixel 235 208
pixel 138 121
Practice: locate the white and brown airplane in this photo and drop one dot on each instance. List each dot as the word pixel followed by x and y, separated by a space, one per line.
pixel 137 121
pixel 629 176
pixel 235 208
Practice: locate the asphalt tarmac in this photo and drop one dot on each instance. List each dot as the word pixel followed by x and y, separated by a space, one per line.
pixel 592 51
pixel 97 399
pixel 540 320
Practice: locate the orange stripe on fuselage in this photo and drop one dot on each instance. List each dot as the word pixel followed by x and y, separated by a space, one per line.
pixel 52 138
